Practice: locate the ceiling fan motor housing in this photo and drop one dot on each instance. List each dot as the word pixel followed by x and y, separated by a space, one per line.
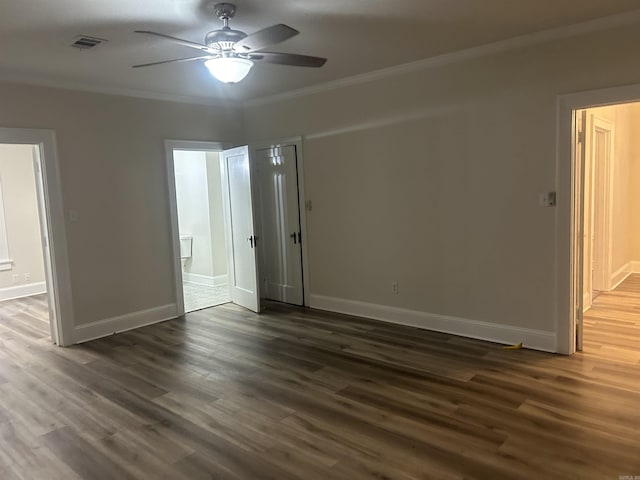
pixel 223 39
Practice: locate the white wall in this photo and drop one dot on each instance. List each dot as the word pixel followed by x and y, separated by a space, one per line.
pixel 200 214
pixel 431 179
pixel 111 155
pixel 193 209
pixel 218 241
pixel 625 202
pixel 20 201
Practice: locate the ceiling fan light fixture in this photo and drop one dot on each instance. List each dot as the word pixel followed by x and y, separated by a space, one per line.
pixel 229 69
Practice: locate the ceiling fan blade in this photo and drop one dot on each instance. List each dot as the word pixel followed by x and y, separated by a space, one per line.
pixel 265 38
pixel 289 59
pixel 187 59
pixel 177 40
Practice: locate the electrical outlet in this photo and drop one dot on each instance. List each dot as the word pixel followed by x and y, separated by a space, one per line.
pixel 27 277
pixel 548 199
pixel 15 278
pixel 395 288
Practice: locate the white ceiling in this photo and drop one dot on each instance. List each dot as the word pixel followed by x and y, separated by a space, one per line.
pixel 357 36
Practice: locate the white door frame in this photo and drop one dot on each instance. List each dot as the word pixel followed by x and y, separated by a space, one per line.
pixel 604 231
pixel 297 143
pixel 567 226
pixel 170 146
pixel 57 274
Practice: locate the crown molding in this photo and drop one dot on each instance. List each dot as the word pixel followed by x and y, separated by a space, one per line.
pixel 38 81
pixel 501 46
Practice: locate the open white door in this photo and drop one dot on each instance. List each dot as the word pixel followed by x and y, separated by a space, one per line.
pixel 242 258
pixel 46 251
pixel 579 222
pixel 281 232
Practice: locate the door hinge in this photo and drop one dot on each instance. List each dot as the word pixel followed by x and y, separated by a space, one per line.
pixel 581 137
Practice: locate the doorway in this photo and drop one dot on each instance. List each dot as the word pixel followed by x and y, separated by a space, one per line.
pixel 263 210
pixel 607 232
pixel 201 238
pixel 34 276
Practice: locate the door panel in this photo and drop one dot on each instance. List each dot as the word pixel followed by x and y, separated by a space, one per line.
pixel 281 238
pixel 240 228
pixel 46 250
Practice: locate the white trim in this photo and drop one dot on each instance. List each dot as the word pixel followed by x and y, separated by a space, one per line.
pixel 208 280
pixel 606 171
pixel 565 222
pixel 197 279
pixel 302 197
pixel 39 81
pixel 220 280
pixel 4 242
pixel 504 334
pixel 170 146
pixel 19 291
pixel 55 241
pixel 122 323
pixel 612 21
pixel 621 275
pixel 586 301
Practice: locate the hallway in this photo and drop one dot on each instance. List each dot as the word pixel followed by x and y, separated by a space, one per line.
pixel 612 324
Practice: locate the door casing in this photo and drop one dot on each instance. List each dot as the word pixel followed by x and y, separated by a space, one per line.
pixel 170 146
pixel 568 222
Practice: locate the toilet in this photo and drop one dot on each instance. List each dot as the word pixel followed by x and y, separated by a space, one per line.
pixel 186 248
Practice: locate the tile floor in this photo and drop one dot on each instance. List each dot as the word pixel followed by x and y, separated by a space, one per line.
pixel 197 296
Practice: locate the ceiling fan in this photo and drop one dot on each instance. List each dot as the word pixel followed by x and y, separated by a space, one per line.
pixel 230 53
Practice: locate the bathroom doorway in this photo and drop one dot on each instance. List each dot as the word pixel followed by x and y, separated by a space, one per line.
pixel 200 219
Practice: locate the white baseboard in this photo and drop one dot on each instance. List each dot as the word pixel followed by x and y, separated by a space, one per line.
pixel 122 323
pixel 621 274
pixel 197 278
pixel 25 290
pixel 204 279
pixel 219 280
pixel 586 301
pixel 504 334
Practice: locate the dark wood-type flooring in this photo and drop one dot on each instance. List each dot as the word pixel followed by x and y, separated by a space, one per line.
pixel 295 394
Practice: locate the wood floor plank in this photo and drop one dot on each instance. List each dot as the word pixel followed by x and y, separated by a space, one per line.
pixel 299 394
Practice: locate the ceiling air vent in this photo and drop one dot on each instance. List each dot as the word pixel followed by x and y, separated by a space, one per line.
pixel 84 42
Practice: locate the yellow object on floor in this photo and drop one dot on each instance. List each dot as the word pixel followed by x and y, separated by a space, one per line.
pixel 513 347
